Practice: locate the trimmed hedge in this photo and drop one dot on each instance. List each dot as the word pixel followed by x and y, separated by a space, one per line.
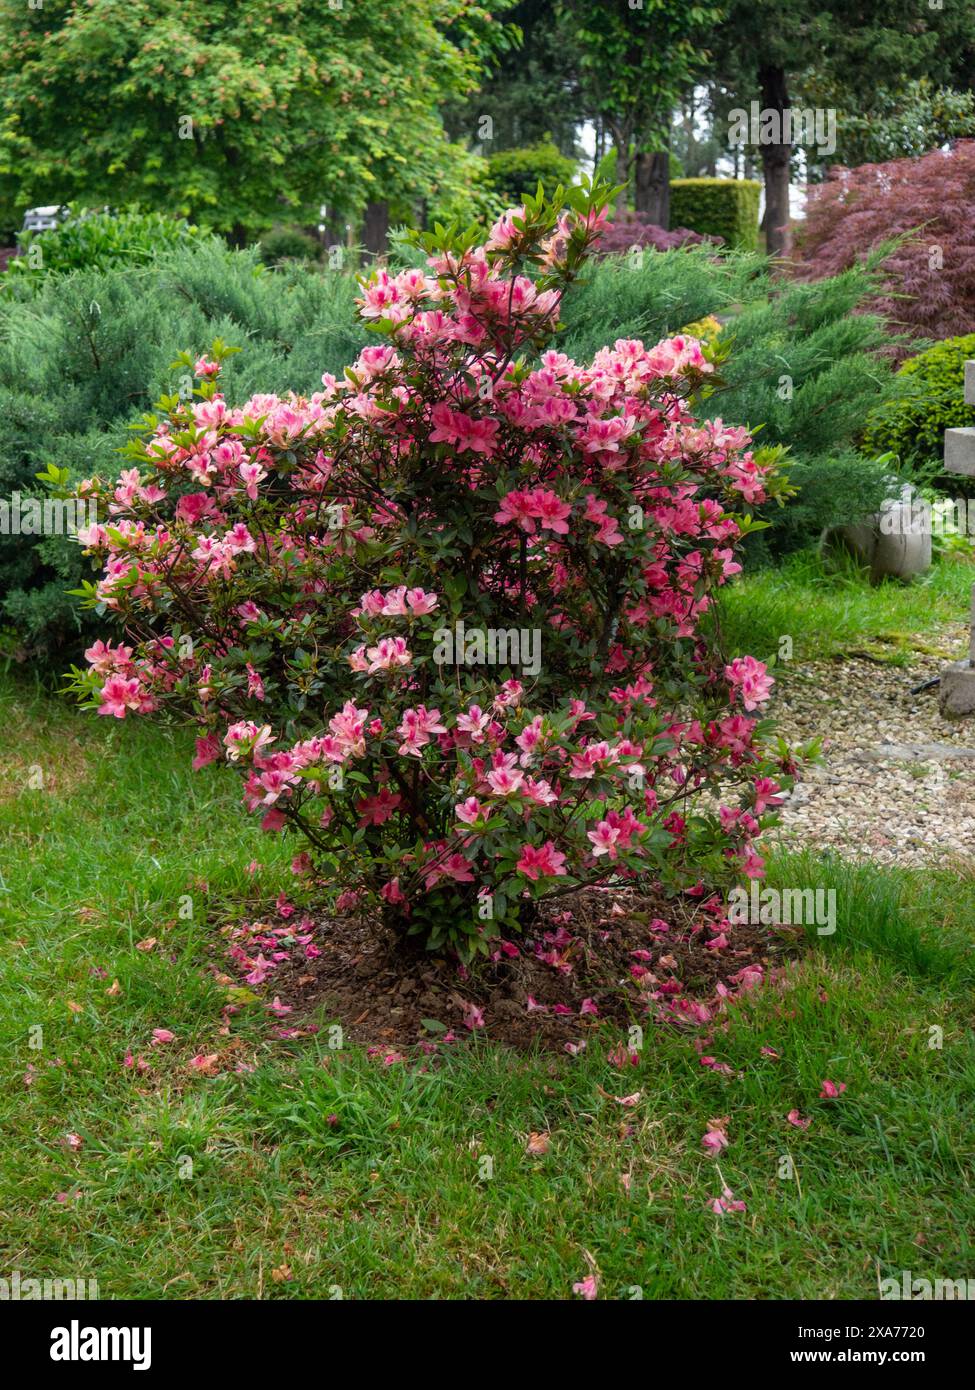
pixel 289 244
pixel 515 174
pixel 727 208
pixel 929 400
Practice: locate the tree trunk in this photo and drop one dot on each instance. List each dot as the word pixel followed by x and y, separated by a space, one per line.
pixel 622 177
pixel 652 187
pixel 375 227
pixel 620 135
pixel 775 161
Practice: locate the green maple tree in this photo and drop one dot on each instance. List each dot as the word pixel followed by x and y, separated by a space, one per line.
pixel 235 113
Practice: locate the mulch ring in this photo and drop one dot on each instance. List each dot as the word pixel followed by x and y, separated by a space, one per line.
pixel 595 955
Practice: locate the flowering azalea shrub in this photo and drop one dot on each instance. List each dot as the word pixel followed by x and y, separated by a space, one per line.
pixel 341 590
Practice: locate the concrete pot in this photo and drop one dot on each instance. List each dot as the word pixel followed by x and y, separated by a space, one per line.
pixel 894 542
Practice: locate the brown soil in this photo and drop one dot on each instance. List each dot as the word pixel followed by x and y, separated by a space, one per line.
pixel 388 994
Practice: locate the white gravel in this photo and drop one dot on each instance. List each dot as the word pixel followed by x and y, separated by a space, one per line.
pixel 890 787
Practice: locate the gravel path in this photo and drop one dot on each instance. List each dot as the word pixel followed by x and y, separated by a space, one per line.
pixel 897 781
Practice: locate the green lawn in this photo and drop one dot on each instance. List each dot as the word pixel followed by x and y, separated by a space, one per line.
pixel 316 1172
pixel 829 613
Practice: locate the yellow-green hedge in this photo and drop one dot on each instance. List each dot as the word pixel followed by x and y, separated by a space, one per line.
pixel 726 208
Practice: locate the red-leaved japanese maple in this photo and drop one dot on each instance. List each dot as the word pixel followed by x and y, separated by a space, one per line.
pixel 929 279
pixel 637 231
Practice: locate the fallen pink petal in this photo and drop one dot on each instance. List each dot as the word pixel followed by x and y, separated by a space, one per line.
pixel 831 1089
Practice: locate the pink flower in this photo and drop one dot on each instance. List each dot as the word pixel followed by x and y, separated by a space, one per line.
pixel 445 428
pixel 104 658
pixel 260 970
pixel 416 728
pixel 162 1035
pixel 831 1089
pixel 473 1016
pixel 603 839
pixel 504 781
pixel 474 723
pixel 380 298
pixel 751 679
pixel 543 862
pixel 455 867
pixel 245 737
pixel 204 1062
pixel 504 231
pixel 539 505
pixel 420 602
pixel 796 1119
pixel 477 436
pixel 766 794
pixel 376 810
pixel 517 507
pixel 391 892
pixel 726 1203
pixel 608 532
pixel 603 436
pixel 551 511
pixel 715 1140
pixel 119 695
pixel 251 474
pixel 207 751
pixel 586 1288
pixel 387 654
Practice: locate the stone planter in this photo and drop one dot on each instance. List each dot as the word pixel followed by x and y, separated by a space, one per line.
pixel 894 542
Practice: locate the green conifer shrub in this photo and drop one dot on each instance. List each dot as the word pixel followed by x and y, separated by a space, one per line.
pixel 83 355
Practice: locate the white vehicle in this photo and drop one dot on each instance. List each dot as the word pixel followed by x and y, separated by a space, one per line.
pixel 43 219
